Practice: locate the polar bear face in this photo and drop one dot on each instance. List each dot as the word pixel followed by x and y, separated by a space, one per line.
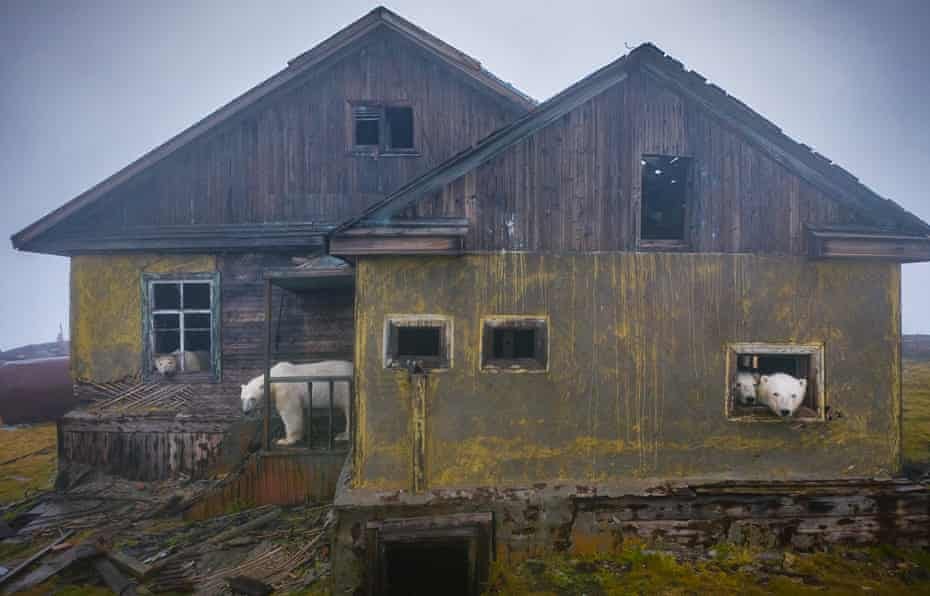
pixel 744 387
pixel 251 393
pixel 166 364
pixel 782 393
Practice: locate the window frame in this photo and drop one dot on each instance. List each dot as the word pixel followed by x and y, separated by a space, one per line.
pixel 666 244
pixel 816 379
pixel 383 148
pixel 537 364
pixel 149 281
pixel 394 322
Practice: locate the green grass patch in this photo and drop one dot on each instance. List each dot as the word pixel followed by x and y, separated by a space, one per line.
pixel 917 412
pixel 35 471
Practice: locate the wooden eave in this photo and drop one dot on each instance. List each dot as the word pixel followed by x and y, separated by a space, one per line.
pixel 440 236
pixel 324 53
pixel 190 238
pixel 836 182
pixel 865 244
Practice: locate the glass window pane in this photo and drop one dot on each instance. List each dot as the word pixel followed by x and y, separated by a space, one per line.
pixel 197 296
pixel 196 341
pixel 197 321
pixel 166 296
pixel 166 321
pixel 167 341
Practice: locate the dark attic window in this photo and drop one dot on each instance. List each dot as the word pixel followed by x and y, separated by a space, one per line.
pixel 367 126
pixel 417 341
pixel 514 344
pixel 400 128
pixel 764 378
pixel 664 199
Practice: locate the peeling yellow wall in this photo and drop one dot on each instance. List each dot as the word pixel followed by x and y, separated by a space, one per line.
pixel 106 310
pixel 636 380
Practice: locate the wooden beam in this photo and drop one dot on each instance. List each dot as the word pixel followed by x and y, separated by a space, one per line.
pixel 396 245
pixel 883 247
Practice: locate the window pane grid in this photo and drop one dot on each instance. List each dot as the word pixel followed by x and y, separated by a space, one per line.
pixel 180 331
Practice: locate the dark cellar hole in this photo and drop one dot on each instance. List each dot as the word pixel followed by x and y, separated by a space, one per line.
pixel 427 567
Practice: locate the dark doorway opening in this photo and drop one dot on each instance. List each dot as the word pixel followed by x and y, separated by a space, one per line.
pixel 428 567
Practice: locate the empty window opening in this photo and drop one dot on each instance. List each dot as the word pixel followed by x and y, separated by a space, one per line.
pixel 421 340
pixel 664 197
pixel 514 343
pixel 754 365
pixel 428 567
pixel 367 126
pixel 400 127
pixel 181 327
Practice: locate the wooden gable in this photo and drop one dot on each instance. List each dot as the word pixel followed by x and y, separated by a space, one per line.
pixel 573 183
pixel 279 168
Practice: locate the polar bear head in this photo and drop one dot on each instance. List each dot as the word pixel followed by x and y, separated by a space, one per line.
pixel 744 387
pixel 166 364
pixel 251 393
pixel 782 393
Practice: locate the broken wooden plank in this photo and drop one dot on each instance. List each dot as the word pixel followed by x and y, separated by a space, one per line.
pixel 246 527
pixel 19 568
pixel 134 566
pixel 114 578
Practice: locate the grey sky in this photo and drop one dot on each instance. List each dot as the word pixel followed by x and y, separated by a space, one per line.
pixel 87 87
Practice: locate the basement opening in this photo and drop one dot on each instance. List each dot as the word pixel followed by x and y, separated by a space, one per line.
pixel 664 199
pixel 757 363
pixel 514 344
pixel 427 567
pixel 421 340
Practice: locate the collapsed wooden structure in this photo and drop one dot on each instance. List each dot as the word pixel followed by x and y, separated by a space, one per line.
pixel 544 304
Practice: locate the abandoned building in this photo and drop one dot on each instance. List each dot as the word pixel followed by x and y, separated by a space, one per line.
pixel 544 307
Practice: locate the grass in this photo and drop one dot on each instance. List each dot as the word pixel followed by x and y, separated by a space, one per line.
pixel 634 570
pixel 917 413
pixel 36 445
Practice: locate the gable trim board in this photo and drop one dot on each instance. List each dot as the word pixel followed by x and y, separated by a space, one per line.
pixel 324 53
pixel 828 177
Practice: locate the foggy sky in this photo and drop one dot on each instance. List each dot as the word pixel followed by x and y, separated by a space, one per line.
pixel 87 87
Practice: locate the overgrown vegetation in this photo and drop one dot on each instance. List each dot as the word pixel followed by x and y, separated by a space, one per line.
pixel 917 413
pixel 27 460
pixel 724 570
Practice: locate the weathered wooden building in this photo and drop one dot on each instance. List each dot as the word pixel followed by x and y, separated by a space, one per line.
pixel 545 306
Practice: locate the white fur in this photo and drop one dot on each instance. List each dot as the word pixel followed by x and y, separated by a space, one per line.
pixel 782 393
pixel 290 399
pixel 745 386
pixel 168 364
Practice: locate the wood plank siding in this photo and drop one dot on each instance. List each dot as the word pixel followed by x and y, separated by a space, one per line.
pixel 288 158
pixel 575 184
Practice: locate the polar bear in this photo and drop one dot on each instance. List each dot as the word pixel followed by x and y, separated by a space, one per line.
pixel 782 393
pixel 290 399
pixel 745 384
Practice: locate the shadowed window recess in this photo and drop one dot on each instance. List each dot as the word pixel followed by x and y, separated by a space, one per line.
pixel 417 341
pixel 753 366
pixel 384 129
pixel 514 343
pixel 180 320
pixel 665 184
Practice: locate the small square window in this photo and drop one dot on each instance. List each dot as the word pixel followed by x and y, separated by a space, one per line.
pixel 417 340
pixel 775 382
pixel 514 344
pixel 665 181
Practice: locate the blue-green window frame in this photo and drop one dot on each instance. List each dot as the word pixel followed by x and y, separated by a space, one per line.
pixel 214 375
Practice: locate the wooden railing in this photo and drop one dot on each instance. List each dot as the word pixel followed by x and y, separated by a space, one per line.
pixel 310 381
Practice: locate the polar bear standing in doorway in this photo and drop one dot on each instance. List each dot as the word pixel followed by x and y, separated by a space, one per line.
pixel 291 399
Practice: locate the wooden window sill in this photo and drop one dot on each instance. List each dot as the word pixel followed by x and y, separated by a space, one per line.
pixel 663 245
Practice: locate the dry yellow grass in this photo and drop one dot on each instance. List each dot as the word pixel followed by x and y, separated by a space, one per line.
pixel 35 446
pixel 917 412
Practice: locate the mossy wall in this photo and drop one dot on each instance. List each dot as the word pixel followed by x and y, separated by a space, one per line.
pixel 636 381
pixel 106 310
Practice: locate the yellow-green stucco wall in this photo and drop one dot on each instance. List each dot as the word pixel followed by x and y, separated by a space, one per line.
pixel 636 381
pixel 106 310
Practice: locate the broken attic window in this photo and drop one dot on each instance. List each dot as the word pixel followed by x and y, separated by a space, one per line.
pixel 514 343
pixel 400 127
pixel 181 325
pixel 664 197
pixel 422 340
pixel 367 126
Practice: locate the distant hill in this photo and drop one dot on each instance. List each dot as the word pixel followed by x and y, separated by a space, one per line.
pixel 52 349
pixel 916 347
